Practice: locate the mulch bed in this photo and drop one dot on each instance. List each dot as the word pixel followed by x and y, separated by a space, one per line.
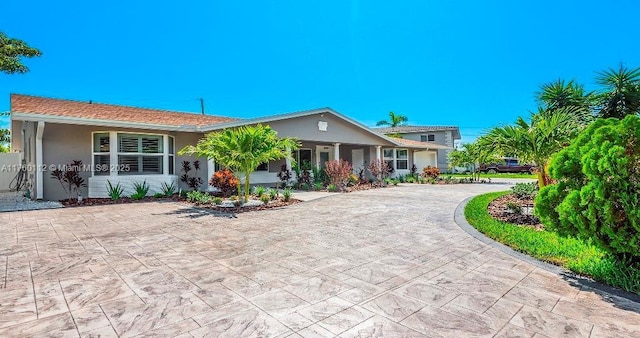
pixel 106 201
pixel 237 210
pixel 498 210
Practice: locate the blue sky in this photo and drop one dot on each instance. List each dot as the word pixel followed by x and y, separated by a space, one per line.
pixel 475 64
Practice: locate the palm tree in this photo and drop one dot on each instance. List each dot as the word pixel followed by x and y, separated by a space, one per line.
pixel 621 96
pixel 535 141
pixel 395 120
pixel 243 149
pixel 571 95
pixel 5 136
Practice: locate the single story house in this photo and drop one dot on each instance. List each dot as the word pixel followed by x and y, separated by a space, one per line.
pixel 441 135
pixel 51 132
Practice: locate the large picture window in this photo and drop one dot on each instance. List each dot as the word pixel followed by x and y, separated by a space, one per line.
pixel 136 154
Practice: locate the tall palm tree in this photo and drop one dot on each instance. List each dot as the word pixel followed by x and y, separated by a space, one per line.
pixel 535 141
pixel 621 95
pixel 395 120
pixel 560 94
pixel 243 149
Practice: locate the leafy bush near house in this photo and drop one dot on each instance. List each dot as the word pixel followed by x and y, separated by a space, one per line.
pixel 514 207
pixel 430 172
pixel 194 182
pixel 216 200
pixel 265 198
pixel 525 190
pixel 320 176
pixel 159 195
pixel 304 186
pixel 284 175
pixel 199 197
pixel 114 191
pixel 168 189
pixel 379 169
pixel 225 181
pixel 141 190
pixel 70 178
pixel 318 186
pixel 286 194
pixel 339 172
pixel 259 191
pixel 332 188
pixel 596 196
pixel 273 193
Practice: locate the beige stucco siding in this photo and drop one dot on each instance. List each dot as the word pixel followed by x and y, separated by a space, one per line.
pixel 338 130
pixel 63 143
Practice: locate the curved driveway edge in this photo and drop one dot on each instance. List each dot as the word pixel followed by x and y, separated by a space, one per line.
pixel 572 277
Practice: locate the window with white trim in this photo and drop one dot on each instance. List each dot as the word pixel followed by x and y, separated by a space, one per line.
pixel 302 157
pixel 398 159
pixel 428 138
pixel 137 154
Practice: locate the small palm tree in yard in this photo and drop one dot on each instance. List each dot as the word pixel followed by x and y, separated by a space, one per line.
pixel 621 95
pixel 243 149
pixel 535 141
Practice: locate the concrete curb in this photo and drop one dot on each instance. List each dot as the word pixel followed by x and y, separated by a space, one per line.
pixel 574 279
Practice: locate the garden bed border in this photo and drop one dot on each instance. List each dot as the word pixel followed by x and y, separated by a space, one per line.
pixel 573 278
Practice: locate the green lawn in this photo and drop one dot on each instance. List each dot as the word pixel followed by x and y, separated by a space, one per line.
pixel 498 175
pixel 571 253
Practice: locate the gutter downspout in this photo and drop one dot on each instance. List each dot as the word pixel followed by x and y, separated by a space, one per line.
pixel 39 162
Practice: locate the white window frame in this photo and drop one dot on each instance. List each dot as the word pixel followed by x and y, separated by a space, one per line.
pixel 168 153
pixel 394 157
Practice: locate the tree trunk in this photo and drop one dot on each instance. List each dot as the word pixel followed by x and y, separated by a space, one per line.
pixel 246 185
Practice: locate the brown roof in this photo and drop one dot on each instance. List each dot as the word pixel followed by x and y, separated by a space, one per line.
pixel 99 111
pixel 418 144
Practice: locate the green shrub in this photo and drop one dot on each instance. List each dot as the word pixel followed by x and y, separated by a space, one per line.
pixel 114 191
pixel 199 197
pixel 596 196
pixel 273 193
pixel 410 179
pixel 216 200
pixel 259 191
pixel 525 190
pixel 395 181
pixel 141 190
pixel 332 188
pixel 304 186
pixel 168 189
pixel 286 194
pixel 318 186
pixel 265 198
pixel 158 195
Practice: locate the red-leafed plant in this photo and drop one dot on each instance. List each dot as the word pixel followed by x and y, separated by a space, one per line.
pixel 225 181
pixel 339 172
pixel 430 172
pixel 379 169
pixel 69 177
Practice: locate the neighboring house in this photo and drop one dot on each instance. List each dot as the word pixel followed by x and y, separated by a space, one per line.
pixel 52 132
pixel 441 135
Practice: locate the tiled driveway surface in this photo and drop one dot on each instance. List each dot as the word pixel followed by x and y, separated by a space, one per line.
pixel 379 263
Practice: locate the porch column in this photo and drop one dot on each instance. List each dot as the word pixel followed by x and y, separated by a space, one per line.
pixel 165 156
pixel 378 152
pixel 211 169
pixel 336 151
pixel 113 154
pixel 39 160
pixel 287 160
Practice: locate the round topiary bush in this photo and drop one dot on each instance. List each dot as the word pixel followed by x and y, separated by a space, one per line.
pixel 596 196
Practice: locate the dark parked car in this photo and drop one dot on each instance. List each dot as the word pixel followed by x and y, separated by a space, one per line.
pixel 510 165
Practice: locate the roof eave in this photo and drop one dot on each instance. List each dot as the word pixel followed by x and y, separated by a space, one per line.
pixel 99 122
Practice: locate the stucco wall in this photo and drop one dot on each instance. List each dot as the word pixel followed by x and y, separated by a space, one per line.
pixel 443 137
pixel 338 130
pixel 64 143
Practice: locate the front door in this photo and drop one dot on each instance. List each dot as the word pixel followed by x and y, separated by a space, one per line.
pixel 357 160
pixel 323 154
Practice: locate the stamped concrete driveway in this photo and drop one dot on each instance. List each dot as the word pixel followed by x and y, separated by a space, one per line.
pixel 381 263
